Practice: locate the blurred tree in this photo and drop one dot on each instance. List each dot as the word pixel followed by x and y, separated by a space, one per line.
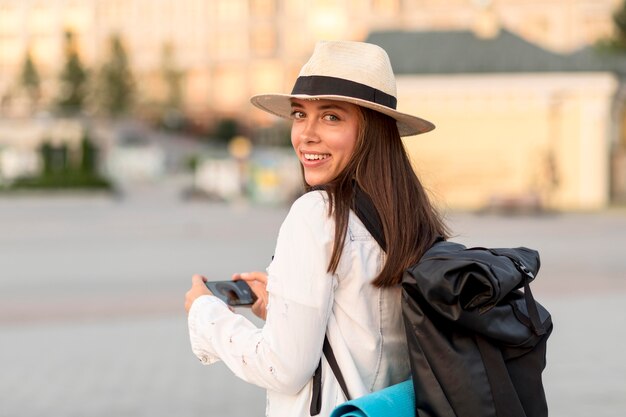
pixel 172 117
pixel 89 156
pixel 29 79
pixel 225 130
pixel 619 20
pixel 46 157
pixel 73 81
pixel 117 86
pixel 616 43
pixel 55 158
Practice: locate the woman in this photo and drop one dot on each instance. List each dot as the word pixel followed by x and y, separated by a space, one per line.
pixel 329 276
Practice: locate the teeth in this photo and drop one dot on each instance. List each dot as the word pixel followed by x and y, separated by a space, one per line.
pixel 315 157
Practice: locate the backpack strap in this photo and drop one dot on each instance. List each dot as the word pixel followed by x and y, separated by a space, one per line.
pixel 316 396
pixel 366 212
pixel 505 398
pixel 332 361
pixel 531 304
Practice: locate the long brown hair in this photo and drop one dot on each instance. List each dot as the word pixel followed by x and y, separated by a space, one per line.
pixel 381 167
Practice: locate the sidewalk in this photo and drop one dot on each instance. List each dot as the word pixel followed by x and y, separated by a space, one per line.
pixel 124 368
pixel 92 323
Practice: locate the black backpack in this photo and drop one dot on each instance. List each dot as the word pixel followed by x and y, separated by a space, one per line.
pixel 477 343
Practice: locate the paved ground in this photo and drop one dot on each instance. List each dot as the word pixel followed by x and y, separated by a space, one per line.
pixel 91 318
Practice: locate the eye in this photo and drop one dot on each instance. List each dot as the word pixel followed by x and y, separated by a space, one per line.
pixel 297 114
pixel 331 118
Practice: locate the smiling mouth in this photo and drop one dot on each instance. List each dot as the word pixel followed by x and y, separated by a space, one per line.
pixel 315 157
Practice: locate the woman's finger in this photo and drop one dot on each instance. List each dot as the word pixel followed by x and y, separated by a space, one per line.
pixel 258 283
pixel 251 276
pixel 198 288
pixel 259 308
pixel 198 279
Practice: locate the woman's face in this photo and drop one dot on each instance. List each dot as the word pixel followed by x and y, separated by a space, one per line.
pixel 323 134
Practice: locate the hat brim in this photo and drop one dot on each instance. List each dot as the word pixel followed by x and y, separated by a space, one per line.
pixel 280 105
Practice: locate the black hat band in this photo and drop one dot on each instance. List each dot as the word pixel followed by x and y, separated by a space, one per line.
pixel 318 85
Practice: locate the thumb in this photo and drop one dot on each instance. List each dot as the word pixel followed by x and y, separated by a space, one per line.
pixel 198 280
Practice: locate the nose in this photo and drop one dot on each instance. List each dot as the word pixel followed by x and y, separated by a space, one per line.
pixel 309 131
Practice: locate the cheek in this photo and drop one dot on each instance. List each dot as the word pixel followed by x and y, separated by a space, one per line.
pixel 294 137
pixel 350 145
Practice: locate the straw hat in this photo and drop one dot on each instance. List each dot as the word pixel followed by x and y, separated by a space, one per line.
pixel 355 72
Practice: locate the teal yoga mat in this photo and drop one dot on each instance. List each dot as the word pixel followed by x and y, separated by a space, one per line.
pixel 397 401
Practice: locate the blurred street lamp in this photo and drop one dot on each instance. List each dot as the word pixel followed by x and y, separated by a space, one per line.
pixel 240 147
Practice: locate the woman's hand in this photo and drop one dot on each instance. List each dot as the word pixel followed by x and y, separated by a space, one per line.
pixel 258 283
pixel 198 288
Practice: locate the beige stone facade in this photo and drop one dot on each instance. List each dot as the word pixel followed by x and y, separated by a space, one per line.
pixel 517 138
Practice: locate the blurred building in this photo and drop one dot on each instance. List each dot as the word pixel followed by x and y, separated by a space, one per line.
pixel 518 127
pixel 230 49
pixel 525 116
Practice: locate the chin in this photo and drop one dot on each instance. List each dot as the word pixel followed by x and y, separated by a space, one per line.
pixel 314 179
pixel 311 182
pixel 314 182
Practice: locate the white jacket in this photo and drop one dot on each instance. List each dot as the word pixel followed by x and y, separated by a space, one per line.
pixel 363 323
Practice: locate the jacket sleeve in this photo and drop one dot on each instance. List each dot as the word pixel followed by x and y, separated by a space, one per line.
pixel 283 354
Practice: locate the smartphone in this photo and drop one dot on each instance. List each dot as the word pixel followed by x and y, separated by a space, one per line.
pixel 233 293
